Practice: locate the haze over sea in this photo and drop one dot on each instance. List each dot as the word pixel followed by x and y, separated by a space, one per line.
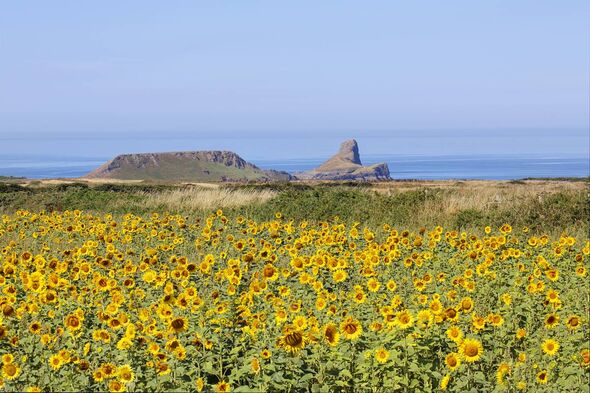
pixel 411 154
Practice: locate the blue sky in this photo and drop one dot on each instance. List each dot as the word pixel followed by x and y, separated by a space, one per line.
pixel 354 68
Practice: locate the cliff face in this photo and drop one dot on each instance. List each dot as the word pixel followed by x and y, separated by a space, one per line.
pixel 346 165
pixel 186 166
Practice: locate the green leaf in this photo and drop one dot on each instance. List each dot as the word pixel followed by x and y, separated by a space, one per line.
pixel 479 377
pixel 306 378
pixel 208 368
pixel 243 389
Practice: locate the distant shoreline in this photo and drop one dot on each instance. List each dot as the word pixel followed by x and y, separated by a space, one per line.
pixel 422 167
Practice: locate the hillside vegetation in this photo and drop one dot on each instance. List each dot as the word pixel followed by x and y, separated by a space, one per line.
pixel 212 166
pixel 544 206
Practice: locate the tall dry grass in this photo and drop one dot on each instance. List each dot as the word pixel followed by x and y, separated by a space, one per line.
pixel 206 198
pixel 483 195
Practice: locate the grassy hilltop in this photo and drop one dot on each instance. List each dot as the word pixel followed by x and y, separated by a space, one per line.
pixel 196 166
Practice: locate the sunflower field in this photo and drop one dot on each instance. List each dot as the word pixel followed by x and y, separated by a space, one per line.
pixel 172 303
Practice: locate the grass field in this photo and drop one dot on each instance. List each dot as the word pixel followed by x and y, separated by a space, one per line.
pixel 399 286
pixel 543 206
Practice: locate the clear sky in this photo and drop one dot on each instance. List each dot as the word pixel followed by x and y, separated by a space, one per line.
pixel 277 67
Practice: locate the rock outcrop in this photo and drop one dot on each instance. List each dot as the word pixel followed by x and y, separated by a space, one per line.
pixel 185 166
pixel 346 165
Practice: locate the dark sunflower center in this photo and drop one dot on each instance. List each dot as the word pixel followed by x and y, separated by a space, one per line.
pixel 178 324
pixel 294 339
pixel 471 350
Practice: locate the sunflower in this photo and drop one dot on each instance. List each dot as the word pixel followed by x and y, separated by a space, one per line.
pixel 266 354
pixel 270 272
pixel 521 333
pixel 55 361
pixel 178 324
pixel 391 285
pixel 466 304
pixel 293 341
pixel 97 375
pixel 180 353
pixel 320 303
pixel 381 355
pixel 479 323
pixel 351 328
pixel 223 387
pixel 496 319
pixel 116 386
pixel 503 369
pixel 451 314
pixel 453 361
pixel 573 322
pixel 550 347
pixel 35 327
pixel 10 371
pixel 373 285
pixel 339 276
pixel 109 370
pixel 359 297
pixel 331 334
pixel 125 373
pixel 255 365
pixel 300 322
pixel 64 355
pixel 551 320
pixel 542 377
pixel 404 319
pixel 585 357
pixel 7 358
pixel 162 368
pixel 471 349
pixel 424 318
pixel 552 274
pixel 436 307
pixel 444 382
pixel 200 384
pixel 455 333
pixel 72 322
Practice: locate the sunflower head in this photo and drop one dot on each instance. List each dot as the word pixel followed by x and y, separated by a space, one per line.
pixel 331 334
pixel 550 347
pixel 381 355
pixel 551 320
pixel 293 341
pixel 453 361
pixel 542 377
pixel 351 329
pixel 573 322
pixel 10 371
pixel 471 349
pixel 178 324
pixel 223 387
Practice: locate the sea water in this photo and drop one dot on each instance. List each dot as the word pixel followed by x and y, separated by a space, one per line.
pixel 500 155
pixel 496 167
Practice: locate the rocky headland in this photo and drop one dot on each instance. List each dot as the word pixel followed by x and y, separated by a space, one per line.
pixel 347 165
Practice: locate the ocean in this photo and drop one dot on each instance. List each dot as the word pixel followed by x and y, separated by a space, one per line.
pixel 422 167
pixel 459 154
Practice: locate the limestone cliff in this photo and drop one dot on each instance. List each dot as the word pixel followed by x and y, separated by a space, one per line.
pixel 346 165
